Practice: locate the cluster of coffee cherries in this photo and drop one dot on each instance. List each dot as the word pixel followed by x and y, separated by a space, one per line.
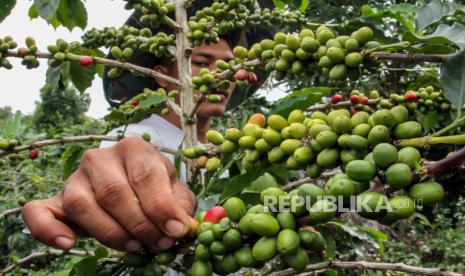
pixel 233 237
pixel 277 18
pixel 292 55
pixel 207 84
pixel 222 17
pixel 6 43
pixel 425 99
pixel 153 11
pixel 141 106
pixel 130 38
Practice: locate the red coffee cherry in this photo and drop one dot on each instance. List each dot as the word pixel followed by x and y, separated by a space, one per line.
pixel 86 61
pixel 336 98
pixel 242 75
pixel 252 78
pixel 33 154
pixel 354 99
pixel 215 214
pixel 410 96
pixel 363 100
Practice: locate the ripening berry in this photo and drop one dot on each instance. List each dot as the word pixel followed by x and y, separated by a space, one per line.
pixel 86 61
pixel 215 214
pixel 242 75
pixel 33 154
pixel 363 100
pixel 410 96
pixel 135 103
pixel 252 78
pixel 336 98
pixel 354 99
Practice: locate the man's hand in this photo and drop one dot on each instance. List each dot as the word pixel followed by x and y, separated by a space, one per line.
pixel 123 196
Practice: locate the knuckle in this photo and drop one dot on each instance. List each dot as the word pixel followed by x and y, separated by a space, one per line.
pixel 111 194
pixel 112 235
pixel 130 142
pixel 144 174
pixel 90 156
pixel 142 229
pixel 74 203
pixel 158 206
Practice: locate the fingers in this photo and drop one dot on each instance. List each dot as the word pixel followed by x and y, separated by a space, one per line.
pixel 152 177
pixel 80 206
pixel 185 197
pixel 114 194
pixel 42 218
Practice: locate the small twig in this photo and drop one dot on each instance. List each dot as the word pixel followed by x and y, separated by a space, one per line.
pixel 114 63
pixel 292 185
pixel 340 104
pixel 173 24
pixel 48 252
pixel 405 57
pixel 453 160
pixel 10 212
pixel 74 139
pixel 371 266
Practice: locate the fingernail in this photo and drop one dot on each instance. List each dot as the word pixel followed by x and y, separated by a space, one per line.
pixel 175 228
pixel 132 245
pixel 64 242
pixel 165 243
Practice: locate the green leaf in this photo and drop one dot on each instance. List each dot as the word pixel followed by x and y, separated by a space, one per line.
pixel 33 13
pixel 280 4
pixel 432 13
pixel 178 158
pixel 373 238
pixel 154 100
pixel 72 13
pixel 238 183
pixel 86 267
pixel 12 126
pixel 444 34
pixel 52 77
pixel 279 172
pixel 214 180
pixel 437 49
pixel 81 77
pixel 300 99
pixel 331 246
pixel 304 5
pixel 71 157
pixel 46 8
pixel 5 8
pixel 428 121
pixel 101 252
pixel 453 79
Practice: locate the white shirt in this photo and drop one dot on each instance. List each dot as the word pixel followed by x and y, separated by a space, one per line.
pixel 162 133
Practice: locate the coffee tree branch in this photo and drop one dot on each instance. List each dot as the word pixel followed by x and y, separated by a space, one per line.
pixel 48 252
pixel 370 266
pixel 74 139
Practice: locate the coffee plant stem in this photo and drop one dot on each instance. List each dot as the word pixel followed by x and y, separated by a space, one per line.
pixel 453 160
pixel 325 176
pixel 74 139
pixel 369 265
pixel 429 140
pixel 48 252
pixel 173 24
pixel 113 63
pixel 406 57
pixel 183 58
pixel 340 104
pixel 10 212
pixel 457 123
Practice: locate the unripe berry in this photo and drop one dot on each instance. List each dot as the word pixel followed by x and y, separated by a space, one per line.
pixel 33 154
pixel 336 98
pixel 86 61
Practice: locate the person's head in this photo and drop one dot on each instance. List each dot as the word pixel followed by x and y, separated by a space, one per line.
pixel 203 56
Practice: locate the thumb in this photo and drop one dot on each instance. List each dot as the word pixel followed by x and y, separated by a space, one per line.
pixel 44 219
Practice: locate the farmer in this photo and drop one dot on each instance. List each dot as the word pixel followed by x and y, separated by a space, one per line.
pixel 126 194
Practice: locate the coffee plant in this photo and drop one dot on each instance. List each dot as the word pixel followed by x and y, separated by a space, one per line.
pixel 308 184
